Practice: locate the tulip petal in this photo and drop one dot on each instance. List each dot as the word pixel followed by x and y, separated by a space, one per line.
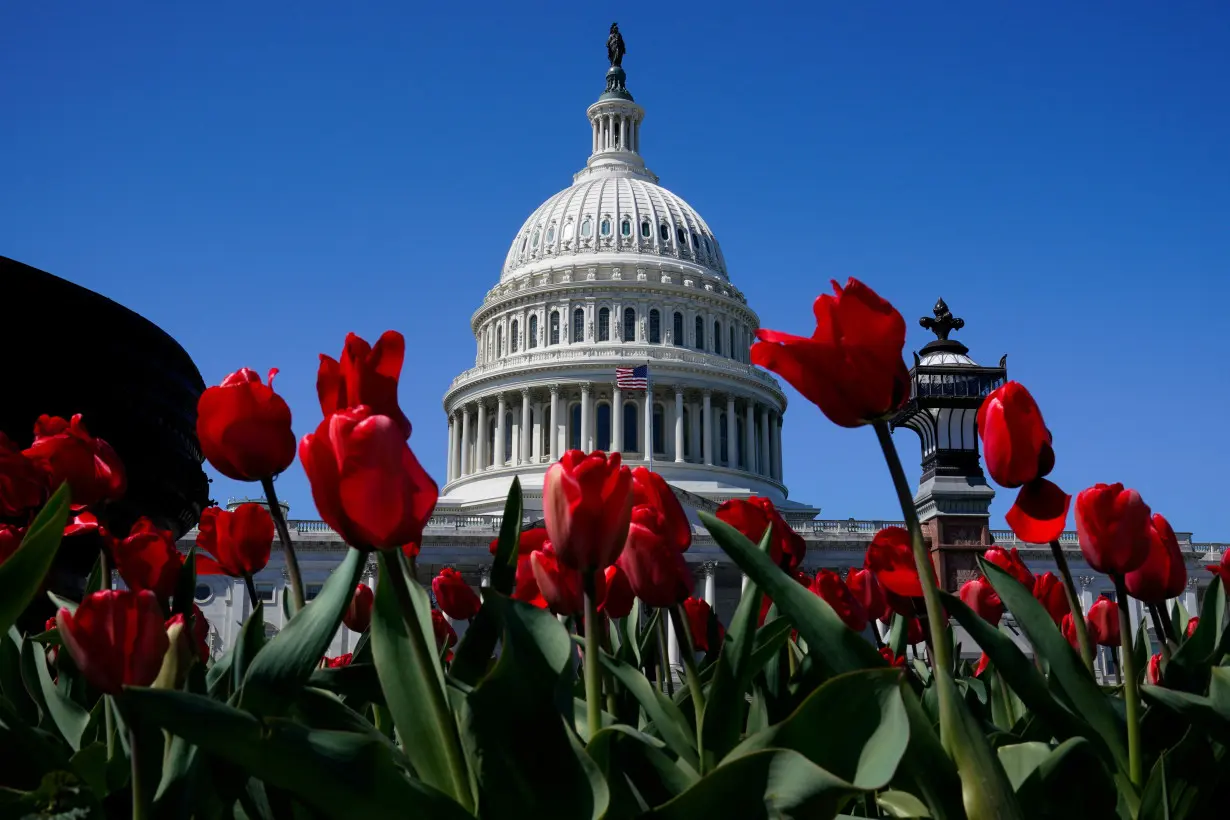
pixel 1040 512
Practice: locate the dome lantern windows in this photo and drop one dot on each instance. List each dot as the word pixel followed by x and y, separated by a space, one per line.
pixel 664 232
pixel 587 228
pixel 695 241
pixel 605 227
pixel 625 227
pixel 646 231
pixel 534 240
pixel 570 230
pixel 550 234
pixel 680 238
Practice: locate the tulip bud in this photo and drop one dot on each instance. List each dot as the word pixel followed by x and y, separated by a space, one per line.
pixel 1049 591
pixel 1163 575
pixel 358 616
pixel 1112 525
pixel 618 601
pixel 1192 623
pixel 978 595
pixel 365 375
pixel 829 586
pixel 454 596
pixel 1015 442
pixel 66 451
pixel 244 427
pixel 1010 562
pixel 1103 622
pixel 1155 670
pixel 587 501
pixel 116 638
pixel 239 541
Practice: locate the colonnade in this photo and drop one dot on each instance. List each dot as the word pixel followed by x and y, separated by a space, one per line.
pixel 679 423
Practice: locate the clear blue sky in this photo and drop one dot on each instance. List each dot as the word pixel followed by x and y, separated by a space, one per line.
pixel 260 178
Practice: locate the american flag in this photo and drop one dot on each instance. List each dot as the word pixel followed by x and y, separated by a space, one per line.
pixel 632 378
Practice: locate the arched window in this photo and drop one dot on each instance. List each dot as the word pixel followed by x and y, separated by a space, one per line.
pixel 631 444
pixel 604 324
pixel 554 328
pixel 664 231
pixel 723 426
pixel 699 342
pixel 739 442
pixel 533 340
pixel 732 342
pixel 659 430
pixel 508 437
pixel 604 427
pixel 550 234
pixel 695 241
pixel 570 229
pixel 625 228
pixel 534 240
pixel 645 229
pixel 681 239
pixel 578 325
pixel 574 428
pixel 678 329
pixel 499 343
pixel 524 242
pixel 717 338
pixel 605 228
pixel 629 324
pixel 655 327
pixel 587 228
pixel 513 337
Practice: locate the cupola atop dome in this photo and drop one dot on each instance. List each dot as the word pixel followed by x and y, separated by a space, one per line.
pixel 616 122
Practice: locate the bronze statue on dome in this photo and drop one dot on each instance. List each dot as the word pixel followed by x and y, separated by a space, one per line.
pixel 615 49
pixel 943 323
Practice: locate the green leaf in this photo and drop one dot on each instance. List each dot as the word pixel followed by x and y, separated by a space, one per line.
pixel 1203 712
pixel 1067 781
pixel 285 663
pixel 985 789
pixel 902 804
pixel 323 710
pixel 770 783
pixel 1022 675
pixel 12 687
pixel 865 728
pixel 1020 759
pixel 249 643
pixel 504 566
pixel 897 636
pixel 1066 667
pixel 409 673
pixel 830 642
pixel 1188 665
pixel 667 718
pixel 340 774
pixel 22 573
pixel 358 681
pixel 722 721
pixel 67 715
pixel 1142 650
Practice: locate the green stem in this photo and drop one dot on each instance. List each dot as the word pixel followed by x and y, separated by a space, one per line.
pixel 664 657
pixel 593 689
pixel 1131 686
pixel 104 568
pixel 251 586
pixel 608 681
pixel 1160 628
pixel 138 789
pixel 1074 604
pixel 683 635
pixel 288 549
pixel 393 566
pixel 109 716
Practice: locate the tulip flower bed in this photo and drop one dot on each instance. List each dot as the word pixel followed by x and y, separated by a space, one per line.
pixel 558 701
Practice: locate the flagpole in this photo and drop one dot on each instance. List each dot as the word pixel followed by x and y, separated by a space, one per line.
pixel 649 416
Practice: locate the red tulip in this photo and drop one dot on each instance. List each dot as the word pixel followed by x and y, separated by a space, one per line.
pixel 10 540
pixel 239 541
pixel 914 632
pixel 339 661
pixel 1155 669
pixel 829 586
pixel 1010 562
pixel 651 488
pixel 752 516
pixel 1222 569
pixel 526 588
pixel 244 427
pixel 200 632
pixel 24 485
pixel 978 595
pixel 870 594
pixel 1163 575
pixel 1103 622
pixel 851 367
pixel 656 569
pixel 587 500
pixel 366 482
pixel 1192 623
pixel 531 539
pixel 1068 628
pixel 148 559
pixel 116 637
pixel 891 557
pixel 1049 591
pixel 983 662
pixel 1015 441
pixel 1113 527
pixel 454 596
pixel 358 616
pixel 905 607
pixel 618 601
pixel 446 636
pixel 366 375
pixel 66 451
pixel 560 585
pixel 698 612
pixel 887 654
pixel 1040 512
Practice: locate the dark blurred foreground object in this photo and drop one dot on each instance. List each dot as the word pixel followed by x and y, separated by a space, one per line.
pixel 68 350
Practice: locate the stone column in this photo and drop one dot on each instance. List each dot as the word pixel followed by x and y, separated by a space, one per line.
pixel 707 412
pixel 1189 601
pixel 749 436
pixel 732 434
pixel 617 419
pixel 452 446
pixel 764 462
pixel 497 446
pixel 672 644
pixel 554 425
pixel 678 424
pixel 710 570
pixel 482 437
pixel 466 466
pixel 540 447
pixel 523 455
pixel 586 427
pixel 776 446
pixel 648 452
